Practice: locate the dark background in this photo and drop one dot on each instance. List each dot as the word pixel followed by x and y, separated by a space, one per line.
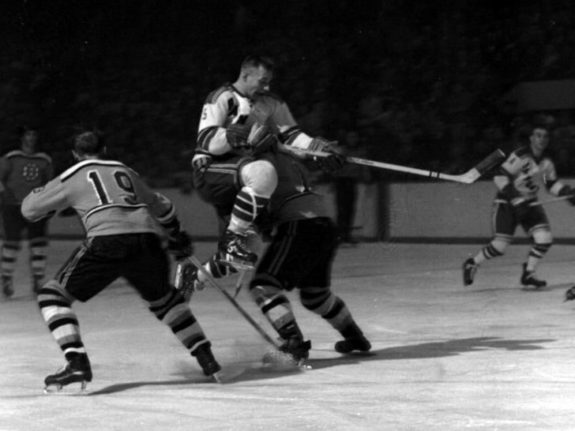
pixel 422 82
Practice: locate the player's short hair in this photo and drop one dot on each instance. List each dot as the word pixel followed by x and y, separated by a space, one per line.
pixel 88 143
pixel 526 130
pixel 257 61
pixel 22 130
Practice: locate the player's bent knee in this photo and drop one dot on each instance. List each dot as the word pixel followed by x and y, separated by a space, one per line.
pixel 542 236
pixel 260 176
pixel 262 288
pixel 500 246
pixel 53 291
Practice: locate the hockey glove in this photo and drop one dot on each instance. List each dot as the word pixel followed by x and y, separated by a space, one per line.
pixel 261 138
pixel 180 245
pixel 201 161
pixel 237 135
pixel 332 163
pixel 568 191
pixel 321 144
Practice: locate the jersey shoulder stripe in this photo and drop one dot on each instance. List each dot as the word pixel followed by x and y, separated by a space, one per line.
pixel 44 156
pixel 20 153
pixel 70 172
pixel 217 93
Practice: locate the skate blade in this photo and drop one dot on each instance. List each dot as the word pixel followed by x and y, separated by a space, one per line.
pixel 238 264
pixel 280 361
pixel 72 389
pixel 218 377
pixel 532 287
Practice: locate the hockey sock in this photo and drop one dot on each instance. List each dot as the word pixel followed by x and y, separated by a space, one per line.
pixel 247 207
pixel 176 314
pixel 491 250
pixel 536 254
pixel 56 310
pixel 277 309
pixel 9 255
pixel 38 248
pixel 323 302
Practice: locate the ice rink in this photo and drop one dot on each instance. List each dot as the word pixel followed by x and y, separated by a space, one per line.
pixel 492 356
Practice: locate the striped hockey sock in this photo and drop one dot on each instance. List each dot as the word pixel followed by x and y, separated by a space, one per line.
pixel 38 247
pixel 56 310
pixel 536 254
pixel 247 207
pixel 173 311
pixel 323 302
pixel 8 258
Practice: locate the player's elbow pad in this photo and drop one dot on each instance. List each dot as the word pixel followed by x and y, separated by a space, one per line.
pixel 32 216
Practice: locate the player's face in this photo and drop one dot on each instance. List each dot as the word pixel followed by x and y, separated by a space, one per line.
pixel 29 140
pixel 257 80
pixel 539 140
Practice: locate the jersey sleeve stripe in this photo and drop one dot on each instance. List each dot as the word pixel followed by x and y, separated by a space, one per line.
pixel 205 137
pixel 105 207
pixel 70 172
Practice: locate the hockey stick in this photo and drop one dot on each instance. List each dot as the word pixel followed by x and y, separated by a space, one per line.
pixel 240 282
pixel 468 177
pixel 552 200
pixel 235 303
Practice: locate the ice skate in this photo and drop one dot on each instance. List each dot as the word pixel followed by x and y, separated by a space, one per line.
pixel 77 370
pixel 528 278
pixel 235 252
pixel 348 345
pixel 353 340
pixel 7 288
pixel 186 280
pixel 469 271
pixel 298 349
pixel 208 363
pixel 292 353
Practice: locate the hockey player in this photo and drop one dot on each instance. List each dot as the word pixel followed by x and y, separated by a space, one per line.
pixel 238 119
pixel 521 176
pixel 300 256
pixel 21 171
pixel 120 215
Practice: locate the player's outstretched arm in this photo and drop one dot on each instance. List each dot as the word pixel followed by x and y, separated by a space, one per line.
pixel 45 201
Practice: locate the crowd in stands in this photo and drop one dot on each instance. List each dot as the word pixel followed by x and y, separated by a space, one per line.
pixel 420 82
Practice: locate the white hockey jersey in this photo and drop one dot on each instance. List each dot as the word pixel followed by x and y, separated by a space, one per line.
pixel 227 105
pixel 528 174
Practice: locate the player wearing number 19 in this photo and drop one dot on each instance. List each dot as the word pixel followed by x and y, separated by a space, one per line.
pixel 120 215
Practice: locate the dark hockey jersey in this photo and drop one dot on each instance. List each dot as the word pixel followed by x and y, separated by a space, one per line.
pixel 22 172
pixel 293 199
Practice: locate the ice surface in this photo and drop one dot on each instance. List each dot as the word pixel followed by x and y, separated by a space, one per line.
pixel 492 356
